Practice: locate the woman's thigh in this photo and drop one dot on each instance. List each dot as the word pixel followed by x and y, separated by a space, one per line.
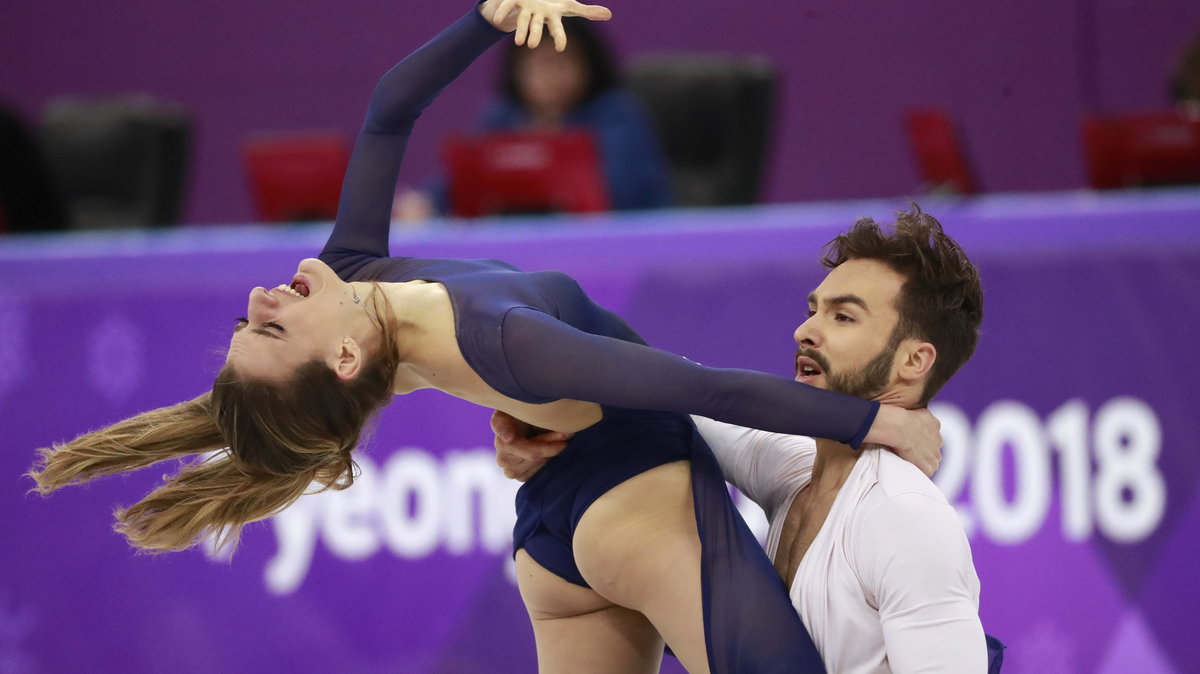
pixel 637 546
pixel 577 630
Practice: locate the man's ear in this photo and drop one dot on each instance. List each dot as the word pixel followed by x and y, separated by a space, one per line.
pixel 918 359
pixel 349 359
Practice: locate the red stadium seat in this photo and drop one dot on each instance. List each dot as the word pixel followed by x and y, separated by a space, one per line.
pixel 296 177
pixel 1143 149
pixel 524 172
pixel 941 156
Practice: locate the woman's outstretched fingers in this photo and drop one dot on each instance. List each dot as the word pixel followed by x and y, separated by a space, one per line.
pixel 559 35
pixel 591 12
pixel 502 12
pixel 522 26
pixel 535 30
pixel 529 19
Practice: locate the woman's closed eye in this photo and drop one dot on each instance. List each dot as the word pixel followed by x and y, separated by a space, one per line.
pixel 242 322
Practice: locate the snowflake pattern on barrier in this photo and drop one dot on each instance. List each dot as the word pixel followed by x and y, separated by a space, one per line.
pixel 18 622
pixel 14 344
pixel 116 357
pixel 1043 648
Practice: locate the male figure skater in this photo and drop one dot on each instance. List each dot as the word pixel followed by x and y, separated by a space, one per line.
pixel 874 557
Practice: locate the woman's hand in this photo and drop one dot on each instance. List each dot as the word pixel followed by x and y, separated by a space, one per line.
pixel 530 16
pixel 914 435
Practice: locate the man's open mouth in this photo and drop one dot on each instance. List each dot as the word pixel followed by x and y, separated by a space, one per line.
pixel 807 369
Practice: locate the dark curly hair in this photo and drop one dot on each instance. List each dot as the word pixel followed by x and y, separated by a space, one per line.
pixel 941 301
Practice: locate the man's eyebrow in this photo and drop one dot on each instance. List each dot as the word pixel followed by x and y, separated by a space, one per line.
pixel 841 299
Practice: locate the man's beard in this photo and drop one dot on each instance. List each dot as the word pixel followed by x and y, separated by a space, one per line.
pixel 869 380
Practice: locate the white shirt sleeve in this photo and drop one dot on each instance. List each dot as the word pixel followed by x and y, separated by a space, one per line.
pixel 766 467
pixel 915 565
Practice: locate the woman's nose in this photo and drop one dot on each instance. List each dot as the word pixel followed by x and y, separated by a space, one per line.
pixel 261 306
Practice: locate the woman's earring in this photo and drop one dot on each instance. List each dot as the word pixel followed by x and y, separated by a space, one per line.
pixel 345 340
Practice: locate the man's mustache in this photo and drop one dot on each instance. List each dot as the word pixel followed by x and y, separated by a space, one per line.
pixel 815 357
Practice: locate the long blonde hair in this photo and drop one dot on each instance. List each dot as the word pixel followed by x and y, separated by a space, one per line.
pixel 271 441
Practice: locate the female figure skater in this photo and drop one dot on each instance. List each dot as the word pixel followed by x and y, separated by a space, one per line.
pixel 627 538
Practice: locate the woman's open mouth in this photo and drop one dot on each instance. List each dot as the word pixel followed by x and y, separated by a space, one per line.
pixel 298 287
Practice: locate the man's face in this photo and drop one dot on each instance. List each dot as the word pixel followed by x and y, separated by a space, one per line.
pixel 847 344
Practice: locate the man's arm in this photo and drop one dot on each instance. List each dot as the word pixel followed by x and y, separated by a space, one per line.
pixel 766 467
pixel 916 567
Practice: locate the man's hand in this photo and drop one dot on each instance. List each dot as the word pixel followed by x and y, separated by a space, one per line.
pixel 913 435
pixel 532 15
pixel 519 454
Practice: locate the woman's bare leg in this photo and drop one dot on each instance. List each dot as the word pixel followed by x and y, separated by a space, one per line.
pixel 637 547
pixel 577 630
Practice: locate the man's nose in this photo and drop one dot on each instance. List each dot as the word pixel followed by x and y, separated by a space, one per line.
pixel 806 334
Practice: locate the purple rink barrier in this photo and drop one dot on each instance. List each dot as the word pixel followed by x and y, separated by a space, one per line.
pixel 1071 437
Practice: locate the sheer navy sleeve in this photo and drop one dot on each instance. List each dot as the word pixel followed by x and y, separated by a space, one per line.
pixel 550 359
pixel 365 208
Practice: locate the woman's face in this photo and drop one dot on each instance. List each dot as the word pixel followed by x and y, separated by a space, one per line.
pixel 551 83
pixel 290 325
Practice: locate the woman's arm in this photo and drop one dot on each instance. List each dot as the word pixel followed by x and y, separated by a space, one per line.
pixel 364 209
pixel 550 359
pixel 365 206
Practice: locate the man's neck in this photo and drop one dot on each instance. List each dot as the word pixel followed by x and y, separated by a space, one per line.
pixel 832 466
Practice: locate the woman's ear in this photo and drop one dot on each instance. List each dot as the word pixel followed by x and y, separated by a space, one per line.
pixel 349 359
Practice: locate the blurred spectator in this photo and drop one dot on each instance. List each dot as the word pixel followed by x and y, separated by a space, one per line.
pixel 1185 86
pixel 578 88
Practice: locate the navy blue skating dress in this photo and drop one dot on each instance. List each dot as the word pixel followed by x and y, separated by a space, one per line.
pixel 536 337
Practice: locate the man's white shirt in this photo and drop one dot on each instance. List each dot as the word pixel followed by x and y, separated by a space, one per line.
pixel 888 584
